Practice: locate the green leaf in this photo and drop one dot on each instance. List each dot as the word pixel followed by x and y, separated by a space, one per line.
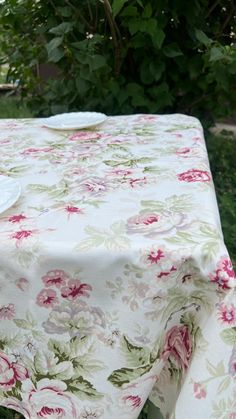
pixel 53 44
pixel 158 37
pixel 83 389
pixel 125 375
pixel 229 336
pixel 216 54
pixel 55 55
pixel 172 50
pixel 147 13
pixel 62 29
pixel 202 37
pixel 96 62
pixel 117 6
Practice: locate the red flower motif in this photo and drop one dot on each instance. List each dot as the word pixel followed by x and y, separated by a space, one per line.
pixel 75 289
pixel 73 210
pixel 224 275
pixel 194 175
pixel 133 401
pixel 56 277
pixel 22 234
pixel 167 273
pixel 47 298
pixel 183 151
pixel 16 218
pixel 155 256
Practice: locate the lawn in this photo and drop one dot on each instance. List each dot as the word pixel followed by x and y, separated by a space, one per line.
pixel 222 152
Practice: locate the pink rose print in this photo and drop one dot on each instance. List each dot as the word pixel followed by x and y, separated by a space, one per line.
pixel 73 210
pixel 55 277
pixel 194 175
pixel 227 314
pixel 199 391
pixel 178 346
pixel 224 275
pixel 7 312
pixel 21 235
pixel 85 136
pixel 49 400
pixel 133 401
pixel 75 289
pixel 10 372
pixel 47 298
pixel 232 415
pixel 22 284
pixel 16 218
pixel 141 221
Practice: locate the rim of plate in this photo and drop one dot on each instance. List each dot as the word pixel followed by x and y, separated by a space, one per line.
pixel 85 120
pixel 9 182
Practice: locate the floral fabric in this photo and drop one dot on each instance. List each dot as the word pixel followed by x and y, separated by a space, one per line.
pixel 115 283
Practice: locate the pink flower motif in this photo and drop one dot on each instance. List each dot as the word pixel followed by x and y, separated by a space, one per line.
pixel 7 312
pixel 133 401
pixel 224 275
pixel 199 391
pixel 75 289
pixel 144 220
pixel 183 152
pixel 22 234
pixel 10 372
pixel 194 175
pixel 55 277
pixel 85 136
pixel 155 256
pixel 227 314
pixel 138 182
pixel 16 218
pixel 47 298
pixel 22 284
pixel 178 346
pixel 232 415
pixel 73 210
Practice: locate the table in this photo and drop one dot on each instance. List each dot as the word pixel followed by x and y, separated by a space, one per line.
pixel 115 283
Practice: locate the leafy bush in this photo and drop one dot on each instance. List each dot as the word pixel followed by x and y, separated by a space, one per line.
pixel 123 56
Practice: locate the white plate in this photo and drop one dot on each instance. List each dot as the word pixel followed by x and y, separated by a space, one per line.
pixel 74 120
pixel 10 191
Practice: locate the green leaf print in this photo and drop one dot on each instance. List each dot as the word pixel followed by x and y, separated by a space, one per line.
pixel 135 356
pixel 215 370
pixel 126 375
pixel 229 336
pixel 83 389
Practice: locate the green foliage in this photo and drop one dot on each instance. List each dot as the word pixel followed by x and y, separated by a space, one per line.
pixel 123 56
pixel 222 151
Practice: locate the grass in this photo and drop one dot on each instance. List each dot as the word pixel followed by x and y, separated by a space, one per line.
pixel 221 151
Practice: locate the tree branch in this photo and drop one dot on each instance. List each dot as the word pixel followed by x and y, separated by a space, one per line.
pixel 116 37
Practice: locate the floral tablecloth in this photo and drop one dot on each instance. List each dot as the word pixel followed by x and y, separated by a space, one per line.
pixel 115 283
